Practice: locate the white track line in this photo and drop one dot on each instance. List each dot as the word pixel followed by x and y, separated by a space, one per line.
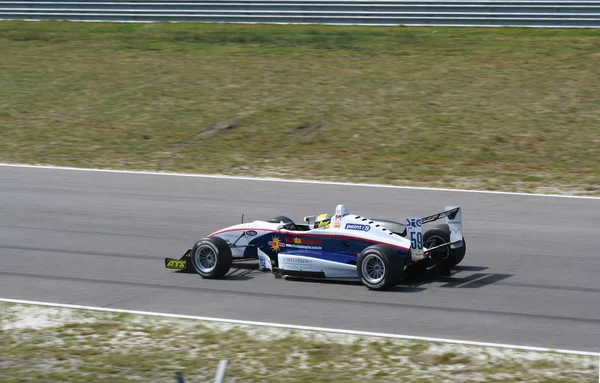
pixel 294 327
pixel 269 179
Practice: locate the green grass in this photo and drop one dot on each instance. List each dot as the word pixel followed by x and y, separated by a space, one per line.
pixel 496 108
pixel 83 346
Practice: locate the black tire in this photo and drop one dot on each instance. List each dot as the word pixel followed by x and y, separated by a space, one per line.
pixel 383 258
pixel 458 254
pixel 446 257
pixel 211 257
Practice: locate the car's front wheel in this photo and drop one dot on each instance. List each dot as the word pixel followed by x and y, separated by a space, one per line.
pixel 211 257
pixel 379 267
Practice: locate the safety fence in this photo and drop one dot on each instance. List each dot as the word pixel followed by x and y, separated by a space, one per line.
pixel 557 14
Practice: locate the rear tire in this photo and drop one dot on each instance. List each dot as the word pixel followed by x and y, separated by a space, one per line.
pixel 446 257
pixel 380 267
pixel 458 254
pixel 211 257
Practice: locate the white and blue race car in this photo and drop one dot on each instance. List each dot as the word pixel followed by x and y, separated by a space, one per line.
pixel 379 253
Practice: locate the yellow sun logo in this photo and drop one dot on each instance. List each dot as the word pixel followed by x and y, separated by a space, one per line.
pixel 275 244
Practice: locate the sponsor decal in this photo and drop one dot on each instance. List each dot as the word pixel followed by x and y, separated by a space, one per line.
pixel 303 243
pixel 276 244
pixel 251 233
pixel 357 226
pixel 415 222
pixel 298 261
pixel 176 264
pixel 448 213
pixel 303 247
pixel 295 263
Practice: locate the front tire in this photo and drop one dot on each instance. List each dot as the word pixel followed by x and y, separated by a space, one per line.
pixel 211 257
pixel 379 267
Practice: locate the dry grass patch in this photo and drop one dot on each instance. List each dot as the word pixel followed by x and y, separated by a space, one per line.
pixel 495 108
pixel 65 345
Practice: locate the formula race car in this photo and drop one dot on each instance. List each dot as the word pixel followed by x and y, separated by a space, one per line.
pixel 344 246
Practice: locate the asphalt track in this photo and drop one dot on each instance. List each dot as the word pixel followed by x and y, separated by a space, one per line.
pixel 530 276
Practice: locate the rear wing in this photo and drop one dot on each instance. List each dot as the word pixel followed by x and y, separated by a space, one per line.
pixel 453 217
pixel 449 212
pixel 414 230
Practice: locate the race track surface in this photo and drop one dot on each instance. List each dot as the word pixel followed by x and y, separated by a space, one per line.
pixel 530 277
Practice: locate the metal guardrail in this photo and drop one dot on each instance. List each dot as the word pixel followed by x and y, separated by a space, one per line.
pixel 534 13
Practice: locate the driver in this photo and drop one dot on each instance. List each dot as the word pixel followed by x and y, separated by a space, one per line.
pixel 323 221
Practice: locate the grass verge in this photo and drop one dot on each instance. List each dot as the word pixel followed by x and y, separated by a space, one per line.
pixel 496 108
pixel 66 345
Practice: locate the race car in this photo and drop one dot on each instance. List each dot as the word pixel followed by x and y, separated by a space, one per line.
pixel 343 246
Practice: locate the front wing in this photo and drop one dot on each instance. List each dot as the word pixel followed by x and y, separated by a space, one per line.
pixel 183 264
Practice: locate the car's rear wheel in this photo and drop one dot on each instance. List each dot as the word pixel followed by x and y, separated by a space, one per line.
pixel 458 254
pixel 379 267
pixel 211 257
pixel 446 257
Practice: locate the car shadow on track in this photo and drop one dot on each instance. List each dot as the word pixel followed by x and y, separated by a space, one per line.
pixel 406 289
pixel 464 277
pixel 459 278
pixel 241 271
